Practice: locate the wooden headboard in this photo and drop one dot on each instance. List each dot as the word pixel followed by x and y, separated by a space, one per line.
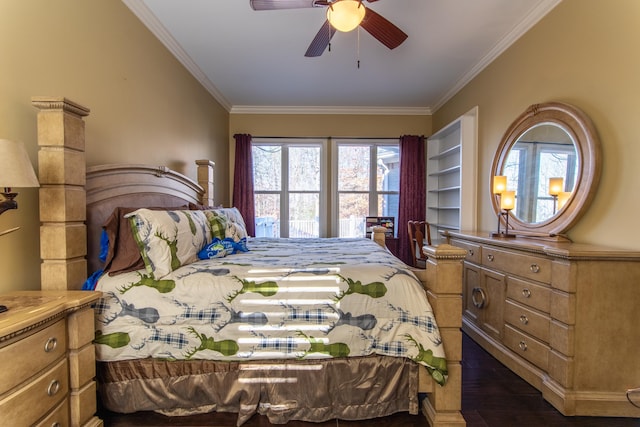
pixel 134 186
pixel 76 200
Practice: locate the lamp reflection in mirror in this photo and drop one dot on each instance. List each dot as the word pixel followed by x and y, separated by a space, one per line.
pixel 499 184
pixel 15 171
pixel 563 197
pixel 556 186
pixel 345 15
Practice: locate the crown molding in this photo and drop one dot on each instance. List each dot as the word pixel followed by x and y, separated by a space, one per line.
pixel 388 111
pixel 518 31
pixel 140 9
pixel 145 15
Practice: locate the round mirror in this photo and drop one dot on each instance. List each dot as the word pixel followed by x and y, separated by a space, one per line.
pixel 550 156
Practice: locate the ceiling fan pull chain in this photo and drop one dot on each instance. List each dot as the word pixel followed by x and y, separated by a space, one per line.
pixel 358 47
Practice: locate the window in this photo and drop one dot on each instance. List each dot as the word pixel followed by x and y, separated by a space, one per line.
pixel 292 182
pixel 367 183
pixel 288 177
pixel 530 165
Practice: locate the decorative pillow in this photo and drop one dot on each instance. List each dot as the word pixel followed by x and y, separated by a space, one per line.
pixel 234 216
pixel 219 248
pixel 123 254
pixel 169 239
pixel 236 227
pixel 215 249
pixel 235 231
pixel 217 223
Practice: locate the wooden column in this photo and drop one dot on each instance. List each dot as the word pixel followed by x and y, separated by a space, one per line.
pixel 443 282
pixel 206 181
pixel 62 176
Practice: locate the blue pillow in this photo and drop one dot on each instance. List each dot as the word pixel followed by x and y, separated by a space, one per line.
pixel 219 248
pixel 92 281
pixel 104 246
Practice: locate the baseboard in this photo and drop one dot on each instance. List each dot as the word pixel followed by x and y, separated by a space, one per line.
pixel 588 403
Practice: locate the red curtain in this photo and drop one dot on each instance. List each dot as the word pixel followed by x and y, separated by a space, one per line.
pixel 243 182
pixel 413 197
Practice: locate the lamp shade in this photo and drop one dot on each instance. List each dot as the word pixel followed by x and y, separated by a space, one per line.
pixel 556 186
pixel 563 198
pixel 499 184
pixel 15 167
pixel 508 200
pixel 345 15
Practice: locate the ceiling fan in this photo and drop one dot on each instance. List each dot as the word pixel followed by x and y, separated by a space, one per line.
pixel 376 25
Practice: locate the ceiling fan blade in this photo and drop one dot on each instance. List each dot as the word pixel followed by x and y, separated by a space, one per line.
pixel 321 40
pixel 383 30
pixel 285 4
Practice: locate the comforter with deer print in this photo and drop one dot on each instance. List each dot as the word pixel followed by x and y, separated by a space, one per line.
pixel 283 299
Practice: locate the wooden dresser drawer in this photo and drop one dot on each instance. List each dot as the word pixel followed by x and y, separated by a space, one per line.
pixel 527 347
pixel 58 417
pixel 26 406
pixel 43 348
pixel 528 293
pixel 527 266
pixel 527 320
pixel 474 252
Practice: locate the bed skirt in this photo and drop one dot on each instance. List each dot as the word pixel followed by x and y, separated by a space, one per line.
pixel 307 390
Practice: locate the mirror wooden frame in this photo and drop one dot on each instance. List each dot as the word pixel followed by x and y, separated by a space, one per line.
pixel 580 128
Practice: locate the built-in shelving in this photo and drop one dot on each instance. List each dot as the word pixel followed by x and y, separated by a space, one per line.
pixel 452 176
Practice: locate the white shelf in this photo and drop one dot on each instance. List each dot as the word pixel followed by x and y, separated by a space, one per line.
pixel 452 177
pixel 445 208
pixel 452 169
pixel 445 189
pixel 451 151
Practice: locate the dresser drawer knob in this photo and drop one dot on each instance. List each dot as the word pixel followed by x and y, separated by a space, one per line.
pixel 56 424
pixel 526 293
pixel 490 257
pixel 522 345
pixel 524 320
pixel 53 388
pixel 50 345
pixel 535 268
pixel 470 252
pixel 478 297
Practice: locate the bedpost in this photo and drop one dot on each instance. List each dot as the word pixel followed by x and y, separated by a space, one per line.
pixel 61 167
pixel 443 282
pixel 379 235
pixel 205 179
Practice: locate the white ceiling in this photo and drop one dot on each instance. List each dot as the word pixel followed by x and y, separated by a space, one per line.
pixel 253 61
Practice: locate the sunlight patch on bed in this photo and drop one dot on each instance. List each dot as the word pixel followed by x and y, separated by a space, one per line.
pixel 289 302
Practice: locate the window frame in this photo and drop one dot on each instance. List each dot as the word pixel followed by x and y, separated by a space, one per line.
pixel 284 192
pixel 373 192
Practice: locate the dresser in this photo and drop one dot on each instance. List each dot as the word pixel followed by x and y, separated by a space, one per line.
pixel 563 316
pixel 48 359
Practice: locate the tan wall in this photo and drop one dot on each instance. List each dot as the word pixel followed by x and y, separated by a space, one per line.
pixel 325 125
pixel 584 52
pixel 145 107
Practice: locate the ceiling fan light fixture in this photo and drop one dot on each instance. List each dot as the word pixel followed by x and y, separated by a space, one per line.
pixel 346 15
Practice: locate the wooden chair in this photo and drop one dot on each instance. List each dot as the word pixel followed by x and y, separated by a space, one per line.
pixel 417 232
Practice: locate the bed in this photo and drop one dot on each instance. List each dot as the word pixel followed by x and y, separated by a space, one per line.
pixel 349 347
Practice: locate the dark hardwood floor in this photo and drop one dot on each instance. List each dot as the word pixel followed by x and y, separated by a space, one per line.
pixel 492 396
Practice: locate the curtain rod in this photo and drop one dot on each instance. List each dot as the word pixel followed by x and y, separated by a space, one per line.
pixel 326 137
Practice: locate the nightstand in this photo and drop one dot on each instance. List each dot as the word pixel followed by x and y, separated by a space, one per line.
pixel 48 359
